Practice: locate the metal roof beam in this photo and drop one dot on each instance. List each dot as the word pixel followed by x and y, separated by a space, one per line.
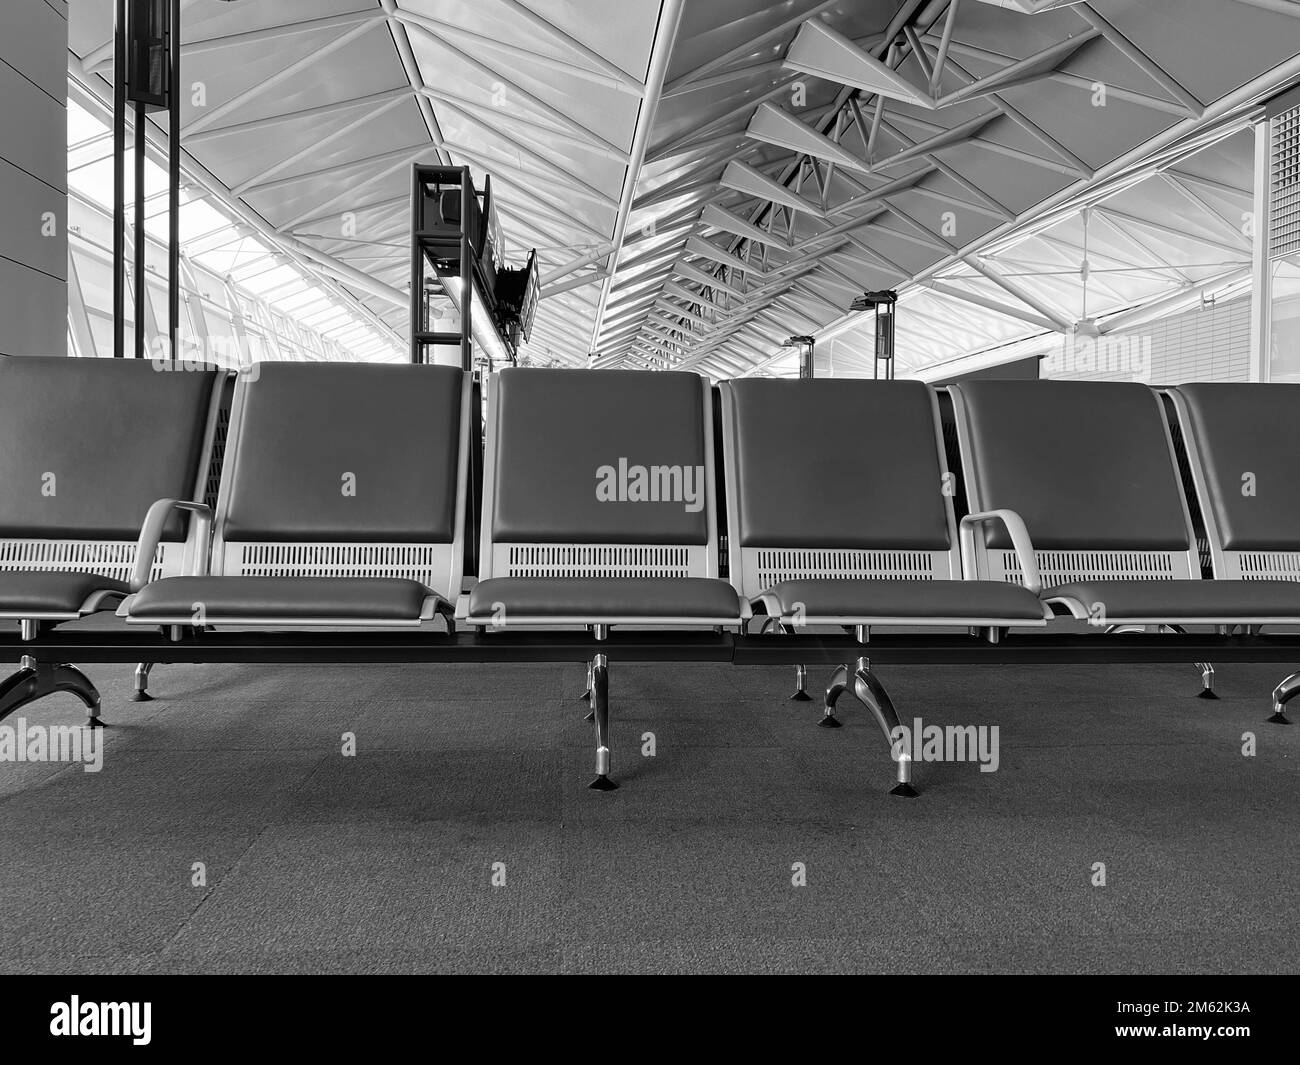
pixel 1027 298
pixel 988 304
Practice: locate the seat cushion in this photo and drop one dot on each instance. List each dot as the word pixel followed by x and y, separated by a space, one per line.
pixel 305 598
pixel 51 593
pixel 865 600
pixel 595 599
pixel 1175 600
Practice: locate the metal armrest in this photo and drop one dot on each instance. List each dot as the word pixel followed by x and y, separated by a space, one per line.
pixel 1024 547
pixel 151 534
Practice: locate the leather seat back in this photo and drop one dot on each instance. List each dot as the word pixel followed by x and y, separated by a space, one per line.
pixel 1088 465
pixel 1244 440
pixel 345 453
pixel 835 464
pixel 565 453
pixel 87 445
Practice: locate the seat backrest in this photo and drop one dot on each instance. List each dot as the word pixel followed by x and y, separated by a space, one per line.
pixel 346 470
pixel 1242 450
pixel 835 479
pixel 86 447
pixel 598 473
pixel 1089 466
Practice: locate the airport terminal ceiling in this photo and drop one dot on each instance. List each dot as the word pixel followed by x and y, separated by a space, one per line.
pixel 703 179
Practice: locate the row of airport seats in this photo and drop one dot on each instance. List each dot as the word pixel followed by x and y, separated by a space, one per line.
pixel 344 488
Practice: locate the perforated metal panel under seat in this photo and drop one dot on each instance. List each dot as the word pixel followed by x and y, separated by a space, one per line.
pixel 776 565
pixel 419 562
pixel 1269 565
pixel 1067 567
pixel 594 560
pixel 108 559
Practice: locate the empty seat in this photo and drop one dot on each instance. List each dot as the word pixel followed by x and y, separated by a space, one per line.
pixel 86 447
pixel 1242 453
pixel 599 510
pixel 342 494
pixel 1241 446
pixel 598 503
pixel 1091 470
pixel 840 508
pixel 840 513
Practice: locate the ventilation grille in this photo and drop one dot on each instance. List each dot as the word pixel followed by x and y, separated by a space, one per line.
pixel 1065 567
pixel 1284 186
pixel 418 562
pixel 1269 565
pixel 775 566
pixel 217 458
pixel 115 560
pixel 597 560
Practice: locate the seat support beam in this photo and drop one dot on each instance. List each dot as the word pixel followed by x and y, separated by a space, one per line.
pixel 628 645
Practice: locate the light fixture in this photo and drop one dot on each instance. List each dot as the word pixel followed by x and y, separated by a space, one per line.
pixel 480 320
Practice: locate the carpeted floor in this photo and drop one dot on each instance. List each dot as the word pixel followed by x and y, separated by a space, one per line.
pixel 384 862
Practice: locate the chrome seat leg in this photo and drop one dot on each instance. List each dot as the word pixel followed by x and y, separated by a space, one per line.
pixel 801 685
pixel 1283 694
pixel 1207 681
pixel 838 685
pixel 871 693
pixel 586 696
pixel 40 680
pixel 600 708
pixel 141 693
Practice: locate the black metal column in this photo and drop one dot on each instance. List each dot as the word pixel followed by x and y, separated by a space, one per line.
pixel 138 237
pixel 119 179
pixel 417 272
pixel 466 273
pixel 174 184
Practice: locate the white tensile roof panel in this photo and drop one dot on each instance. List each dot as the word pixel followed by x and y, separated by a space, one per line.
pixel 1082 93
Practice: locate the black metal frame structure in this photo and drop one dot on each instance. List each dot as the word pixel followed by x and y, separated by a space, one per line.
pixel 128 19
pixel 421 177
pixel 807 346
pixel 477 243
pixel 883 303
pixel 901 649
